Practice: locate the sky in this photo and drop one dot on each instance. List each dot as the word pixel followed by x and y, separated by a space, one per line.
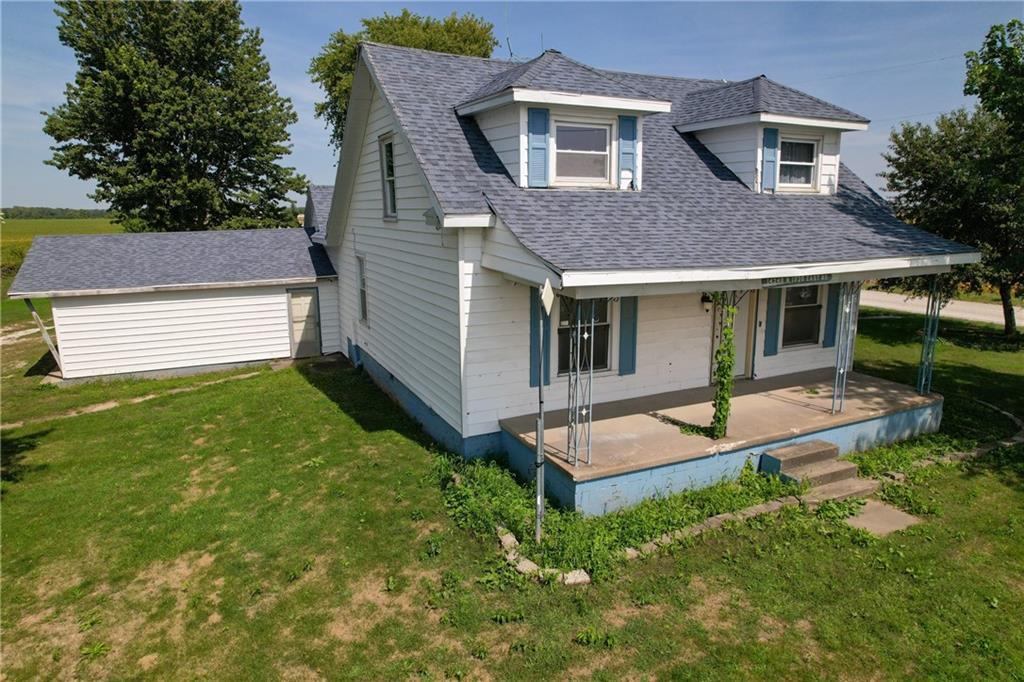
pixel 887 61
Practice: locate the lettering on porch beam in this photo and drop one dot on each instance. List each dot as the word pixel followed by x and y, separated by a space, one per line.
pixel 796 279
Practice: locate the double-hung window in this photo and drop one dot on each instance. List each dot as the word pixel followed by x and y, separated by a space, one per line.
pixel 602 333
pixel 801 321
pixel 386 145
pixel 361 273
pixel 582 153
pixel 798 164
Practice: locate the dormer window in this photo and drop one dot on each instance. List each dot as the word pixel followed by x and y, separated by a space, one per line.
pixel 582 153
pixel 798 164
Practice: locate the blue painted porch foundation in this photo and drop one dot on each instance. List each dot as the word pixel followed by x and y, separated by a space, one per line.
pixel 603 495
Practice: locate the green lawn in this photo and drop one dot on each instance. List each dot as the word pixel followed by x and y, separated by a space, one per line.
pixel 291 524
pixel 16 237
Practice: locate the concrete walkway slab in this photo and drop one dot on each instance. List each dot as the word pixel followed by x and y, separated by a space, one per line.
pixel 881 519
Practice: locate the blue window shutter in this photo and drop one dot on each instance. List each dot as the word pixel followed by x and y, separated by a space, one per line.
pixel 627 335
pixel 771 322
pixel 537 153
pixel 769 158
pixel 535 320
pixel 831 315
pixel 627 149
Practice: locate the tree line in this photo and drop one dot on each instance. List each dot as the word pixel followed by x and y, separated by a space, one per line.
pixel 15 212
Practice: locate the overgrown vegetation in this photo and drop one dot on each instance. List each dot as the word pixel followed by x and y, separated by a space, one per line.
pixel 725 363
pixel 488 495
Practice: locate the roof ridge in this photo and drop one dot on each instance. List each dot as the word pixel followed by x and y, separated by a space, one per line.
pixel 816 99
pixel 665 76
pixel 597 72
pixel 437 52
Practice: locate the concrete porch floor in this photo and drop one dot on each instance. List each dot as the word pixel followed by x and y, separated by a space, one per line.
pixel 626 437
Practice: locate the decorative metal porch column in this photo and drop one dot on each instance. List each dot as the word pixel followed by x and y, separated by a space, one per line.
pixel 931 333
pixel 582 321
pixel 846 332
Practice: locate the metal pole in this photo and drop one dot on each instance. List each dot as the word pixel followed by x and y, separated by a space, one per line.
pixel 540 416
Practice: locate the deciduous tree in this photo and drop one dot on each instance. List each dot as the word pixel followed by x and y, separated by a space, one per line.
pixel 334 67
pixel 961 178
pixel 173 113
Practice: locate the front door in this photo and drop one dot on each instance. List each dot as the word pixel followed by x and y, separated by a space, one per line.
pixel 305 322
pixel 741 331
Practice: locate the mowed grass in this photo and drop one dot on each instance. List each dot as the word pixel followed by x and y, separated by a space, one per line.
pixel 15 238
pixel 290 525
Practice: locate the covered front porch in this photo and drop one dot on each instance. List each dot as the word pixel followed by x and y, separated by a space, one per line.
pixel 637 448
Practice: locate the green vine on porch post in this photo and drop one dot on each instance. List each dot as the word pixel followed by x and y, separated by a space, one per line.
pixel 725 362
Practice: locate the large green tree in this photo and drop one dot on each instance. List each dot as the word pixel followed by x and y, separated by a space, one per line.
pixel 961 179
pixel 334 67
pixel 172 112
pixel 995 73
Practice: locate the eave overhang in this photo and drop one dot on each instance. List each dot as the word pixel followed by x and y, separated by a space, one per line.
pixel 552 97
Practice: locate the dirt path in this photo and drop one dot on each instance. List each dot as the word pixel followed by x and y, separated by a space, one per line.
pixel 111 404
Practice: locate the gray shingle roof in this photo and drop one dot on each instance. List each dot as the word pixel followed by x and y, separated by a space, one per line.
pixel 753 96
pixel 318 198
pixel 554 71
pixel 692 212
pixel 103 262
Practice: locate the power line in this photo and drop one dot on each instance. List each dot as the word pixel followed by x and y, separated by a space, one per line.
pixel 891 67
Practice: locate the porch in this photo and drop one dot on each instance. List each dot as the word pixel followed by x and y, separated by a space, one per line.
pixel 637 449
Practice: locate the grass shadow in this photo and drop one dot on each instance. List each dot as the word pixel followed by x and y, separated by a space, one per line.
pixel 355 394
pixel 1005 462
pixel 13 450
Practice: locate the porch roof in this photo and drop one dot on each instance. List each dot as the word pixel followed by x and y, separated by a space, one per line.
pixel 627 435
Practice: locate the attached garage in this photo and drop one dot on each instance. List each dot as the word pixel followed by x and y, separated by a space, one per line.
pixel 130 303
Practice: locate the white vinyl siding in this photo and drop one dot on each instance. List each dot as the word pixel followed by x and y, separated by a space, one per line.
pixel 116 334
pixel 673 350
pixel 411 276
pixel 736 147
pixel 739 148
pixel 501 127
pixel 330 316
pixel 794 358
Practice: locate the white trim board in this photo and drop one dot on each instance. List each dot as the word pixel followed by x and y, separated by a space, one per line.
pixel 865 269
pixel 164 287
pixel 531 96
pixel 770 118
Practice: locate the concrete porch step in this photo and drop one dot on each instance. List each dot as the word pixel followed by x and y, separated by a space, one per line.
pixel 840 490
pixel 785 459
pixel 820 473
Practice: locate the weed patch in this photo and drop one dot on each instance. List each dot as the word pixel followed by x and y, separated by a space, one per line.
pixel 488 495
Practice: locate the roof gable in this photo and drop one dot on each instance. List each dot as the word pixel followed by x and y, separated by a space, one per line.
pixel 758 95
pixel 554 71
pixel 692 212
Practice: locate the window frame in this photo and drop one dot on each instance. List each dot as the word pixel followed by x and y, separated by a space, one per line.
pixel 388 185
pixel 613 338
pixel 609 124
pixel 362 289
pixel 814 165
pixel 819 304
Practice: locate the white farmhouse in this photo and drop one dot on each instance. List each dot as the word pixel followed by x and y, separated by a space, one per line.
pixel 647 205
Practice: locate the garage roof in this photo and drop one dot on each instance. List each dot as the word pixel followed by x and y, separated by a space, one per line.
pixel 79 265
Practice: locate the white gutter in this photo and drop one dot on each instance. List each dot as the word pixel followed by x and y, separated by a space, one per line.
pixel 771 118
pixel 597 278
pixel 166 287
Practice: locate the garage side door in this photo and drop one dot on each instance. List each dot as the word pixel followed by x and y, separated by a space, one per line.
pixel 305 319
pixel 122 333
